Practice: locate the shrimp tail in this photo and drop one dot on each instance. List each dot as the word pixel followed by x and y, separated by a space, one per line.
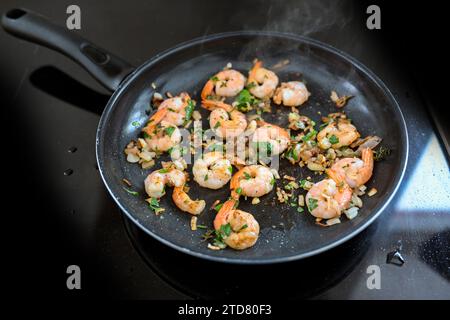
pixel 221 217
pixel 252 73
pixel 213 104
pixel 207 90
pixel 156 118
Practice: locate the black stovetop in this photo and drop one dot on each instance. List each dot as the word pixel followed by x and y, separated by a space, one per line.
pixel 67 217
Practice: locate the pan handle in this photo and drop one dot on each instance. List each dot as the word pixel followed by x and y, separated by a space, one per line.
pixel 107 68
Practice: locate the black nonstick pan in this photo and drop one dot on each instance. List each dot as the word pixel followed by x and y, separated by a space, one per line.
pixel 285 234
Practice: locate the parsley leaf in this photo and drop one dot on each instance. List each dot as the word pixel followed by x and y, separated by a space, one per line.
pixel 333 139
pixel 169 131
pixel 134 193
pixel 312 204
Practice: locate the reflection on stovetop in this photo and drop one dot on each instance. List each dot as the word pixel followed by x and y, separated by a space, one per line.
pixel 212 280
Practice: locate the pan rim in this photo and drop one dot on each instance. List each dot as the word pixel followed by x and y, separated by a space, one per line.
pixel 260 261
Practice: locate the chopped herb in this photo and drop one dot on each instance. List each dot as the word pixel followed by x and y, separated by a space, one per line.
pixel 206 178
pixel 247 176
pixel 312 204
pixel 264 147
pixel 146 135
pixel 239 190
pixel 323 125
pixel 299 209
pixel 310 135
pixel 382 153
pixel 189 110
pixel 303 183
pixel 208 234
pixel 272 182
pixel 221 235
pixel 245 226
pixel 169 131
pixel 230 169
pixel 200 226
pixel 164 170
pixel 217 125
pixel 245 101
pixel 218 207
pixel 134 193
pixel 333 139
pixel 135 124
pixel 214 79
pixel 153 204
pixel 251 85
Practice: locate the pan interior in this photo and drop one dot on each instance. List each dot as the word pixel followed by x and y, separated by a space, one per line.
pixel 285 233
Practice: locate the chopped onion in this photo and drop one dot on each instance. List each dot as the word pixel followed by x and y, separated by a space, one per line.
pixel 333 221
pixel 372 192
pixel 351 213
pixel 194 223
pixel 132 158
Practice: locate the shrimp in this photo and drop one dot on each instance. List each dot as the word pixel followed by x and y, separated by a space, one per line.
pixel 326 199
pixel 261 82
pixel 177 108
pixel 155 183
pixel 185 203
pixel 291 94
pixel 226 83
pixel 244 227
pixel 224 120
pixel 275 138
pixel 337 134
pixel 162 137
pixel 252 181
pixel 354 171
pixel 213 170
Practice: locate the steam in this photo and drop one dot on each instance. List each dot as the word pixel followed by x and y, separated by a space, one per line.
pixel 307 18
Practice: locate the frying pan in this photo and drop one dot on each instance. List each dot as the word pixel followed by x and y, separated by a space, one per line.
pixel 285 233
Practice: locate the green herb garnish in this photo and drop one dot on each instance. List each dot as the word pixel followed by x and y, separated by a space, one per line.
pixel 381 154
pixel 247 176
pixel 310 135
pixel 245 226
pixel 333 139
pixel 163 170
pixel 218 207
pixel 300 209
pixel 189 110
pixel 239 190
pixel 134 193
pixel 312 204
pixel 169 131
pixel 135 124
pixel 245 101
pixel 217 125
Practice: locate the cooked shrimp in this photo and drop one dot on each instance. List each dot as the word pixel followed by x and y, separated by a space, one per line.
pixel 291 94
pixel 185 203
pixel 244 227
pixel 213 171
pixel 354 171
pixel 253 181
pixel 224 120
pixel 337 134
pixel 162 137
pixel 156 181
pixel 226 83
pixel 326 199
pixel 275 138
pixel 261 82
pixel 176 109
